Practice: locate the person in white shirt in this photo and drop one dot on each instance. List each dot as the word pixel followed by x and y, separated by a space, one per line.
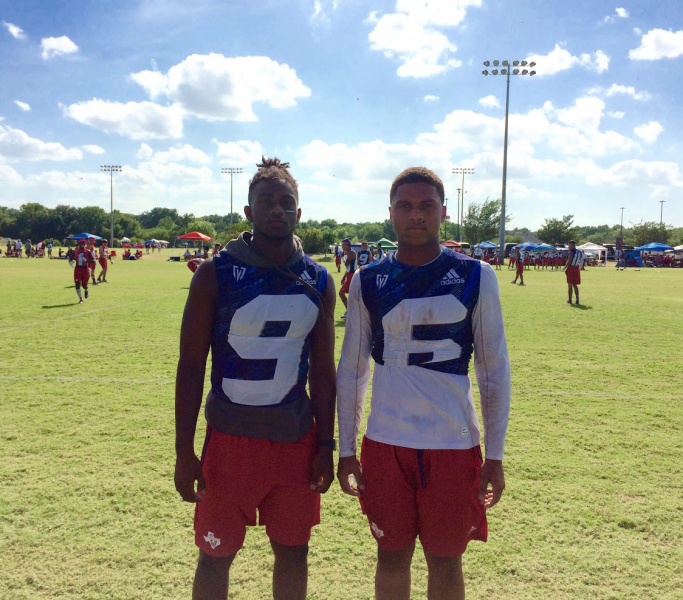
pixel 420 313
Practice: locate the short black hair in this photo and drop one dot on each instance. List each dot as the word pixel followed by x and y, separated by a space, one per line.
pixel 273 168
pixel 418 175
pixel 572 242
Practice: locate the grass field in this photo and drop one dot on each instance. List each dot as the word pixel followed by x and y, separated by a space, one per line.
pixel 594 501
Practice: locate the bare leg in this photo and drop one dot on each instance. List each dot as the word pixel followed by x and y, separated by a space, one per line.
pixel 576 293
pixel 290 572
pixel 211 577
pixel 392 578
pixel 569 291
pixel 446 581
pixel 342 295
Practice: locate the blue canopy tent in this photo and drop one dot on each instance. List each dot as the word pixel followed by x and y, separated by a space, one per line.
pixel 544 248
pixel 526 246
pixel 84 236
pixel 653 247
pixel 488 245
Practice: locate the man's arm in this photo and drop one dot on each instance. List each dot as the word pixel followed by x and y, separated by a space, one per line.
pixel 353 376
pixel 492 368
pixel 323 388
pixel 195 340
pixel 350 257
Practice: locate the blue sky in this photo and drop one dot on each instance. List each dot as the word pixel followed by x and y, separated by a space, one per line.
pixel 350 92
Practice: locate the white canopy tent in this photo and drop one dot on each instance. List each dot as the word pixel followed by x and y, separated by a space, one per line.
pixel 597 248
pixel 125 240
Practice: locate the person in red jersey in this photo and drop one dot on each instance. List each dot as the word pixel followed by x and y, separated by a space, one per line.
pixel 519 261
pixel 81 257
pixel 573 271
pixel 92 263
pixel 103 260
pixel 351 263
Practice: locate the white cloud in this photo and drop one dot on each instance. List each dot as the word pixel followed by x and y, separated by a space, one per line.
pixel 619 13
pixel 629 91
pixel 60 46
pixel 15 31
pixel 177 154
pixel 409 34
pixel 216 88
pixel 240 153
pixel 616 114
pixel 8 175
pixel 17 145
pixel 560 59
pixel 135 120
pixel 489 101
pixel 658 174
pixel 93 149
pixel 319 18
pixel 585 115
pixel 22 105
pixel 658 43
pixel 648 132
pixel 430 98
pixel 145 152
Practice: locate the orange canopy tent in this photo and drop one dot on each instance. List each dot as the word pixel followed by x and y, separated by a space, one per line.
pixel 451 244
pixel 195 235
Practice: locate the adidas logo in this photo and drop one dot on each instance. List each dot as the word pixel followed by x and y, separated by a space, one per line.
pixel 307 278
pixel 451 278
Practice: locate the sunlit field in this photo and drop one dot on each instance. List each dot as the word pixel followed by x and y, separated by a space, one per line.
pixel 594 501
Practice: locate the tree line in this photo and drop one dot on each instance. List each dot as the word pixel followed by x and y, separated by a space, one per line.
pixel 481 222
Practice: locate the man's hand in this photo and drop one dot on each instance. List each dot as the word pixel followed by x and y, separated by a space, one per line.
pixel 491 474
pixel 323 471
pixel 350 476
pixel 188 469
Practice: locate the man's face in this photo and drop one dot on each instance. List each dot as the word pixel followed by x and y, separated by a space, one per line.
pixel 273 208
pixel 364 246
pixel 346 246
pixel 416 212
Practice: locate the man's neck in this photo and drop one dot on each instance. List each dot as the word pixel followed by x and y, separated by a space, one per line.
pixel 277 250
pixel 416 256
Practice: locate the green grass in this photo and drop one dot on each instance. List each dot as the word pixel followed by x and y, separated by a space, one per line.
pixel 594 501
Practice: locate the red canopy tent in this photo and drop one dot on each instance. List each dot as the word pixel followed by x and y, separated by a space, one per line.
pixel 451 244
pixel 195 235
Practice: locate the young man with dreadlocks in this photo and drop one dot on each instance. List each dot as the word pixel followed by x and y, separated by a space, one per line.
pixel 267 312
pixel 419 313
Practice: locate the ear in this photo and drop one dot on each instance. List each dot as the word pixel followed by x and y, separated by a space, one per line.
pixel 298 215
pixel 247 213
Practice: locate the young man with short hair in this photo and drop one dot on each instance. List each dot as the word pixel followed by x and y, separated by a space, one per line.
pixel 267 312
pixel 92 264
pixel 82 259
pixel 350 263
pixel 102 259
pixel 420 313
pixel 364 255
pixel 573 271
pixel 519 261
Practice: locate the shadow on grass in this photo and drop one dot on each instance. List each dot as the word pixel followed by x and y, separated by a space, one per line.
pixel 60 305
pixel 582 306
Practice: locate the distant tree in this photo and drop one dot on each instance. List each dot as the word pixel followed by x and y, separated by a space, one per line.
pixel 329 223
pixel 204 227
pixel 645 232
pixel 514 239
pixel 388 230
pixel 151 218
pixel 92 219
pixel 127 226
pixel 558 231
pixel 370 232
pixel 7 222
pixel 33 222
pixel 312 240
pixel 482 221
pixel 233 232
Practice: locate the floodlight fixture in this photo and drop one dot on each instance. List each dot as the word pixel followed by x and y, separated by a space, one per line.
pixel 515 72
pixel 525 72
pixel 505 63
pixel 532 64
pixel 484 72
pixel 496 63
pixel 503 71
pixel 532 73
pixel 524 63
pixel 487 63
pixel 494 72
pixel 515 63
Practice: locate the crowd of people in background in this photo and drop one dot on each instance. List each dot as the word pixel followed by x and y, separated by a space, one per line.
pixel 15 249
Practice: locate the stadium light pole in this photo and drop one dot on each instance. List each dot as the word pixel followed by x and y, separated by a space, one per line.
pixel 457 218
pixel 111 169
pixel 444 221
pixel 621 235
pixel 232 171
pixel 661 212
pixel 462 171
pixel 507 71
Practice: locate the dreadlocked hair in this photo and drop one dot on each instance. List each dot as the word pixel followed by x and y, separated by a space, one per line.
pixel 418 175
pixel 272 168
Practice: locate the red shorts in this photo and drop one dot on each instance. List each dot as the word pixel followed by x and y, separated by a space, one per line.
pixel 428 493
pixel 545 262
pixel 337 260
pixel 102 261
pixel 537 262
pixel 346 283
pixel 520 268
pixel 92 265
pixel 245 474
pixel 573 275
pixel 82 276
